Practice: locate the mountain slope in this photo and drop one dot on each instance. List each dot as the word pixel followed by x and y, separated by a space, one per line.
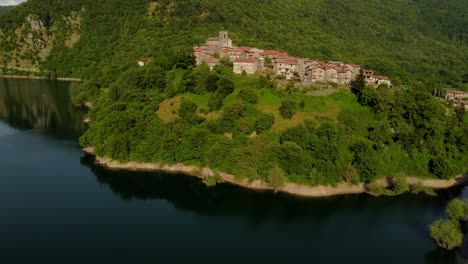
pixel 407 40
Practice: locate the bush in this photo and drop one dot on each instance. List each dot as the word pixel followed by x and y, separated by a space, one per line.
pixel 248 96
pixel 400 185
pixel 440 168
pixel 288 109
pixel 419 188
pixel 447 233
pixel 264 123
pixel 276 178
pixel 456 209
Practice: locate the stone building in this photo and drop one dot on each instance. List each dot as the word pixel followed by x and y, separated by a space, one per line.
pixel 249 65
pixel 251 60
pixel 454 95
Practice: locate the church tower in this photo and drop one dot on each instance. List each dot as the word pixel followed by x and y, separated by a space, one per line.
pixel 224 41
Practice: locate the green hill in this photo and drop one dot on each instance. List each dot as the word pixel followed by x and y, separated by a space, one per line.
pixel 4 9
pixel 170 111
pixel 407 40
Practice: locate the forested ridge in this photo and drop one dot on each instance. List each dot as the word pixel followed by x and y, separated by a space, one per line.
pixel 171 111
pixel 3 9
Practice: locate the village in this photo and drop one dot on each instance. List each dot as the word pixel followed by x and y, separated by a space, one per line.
pixel 249 60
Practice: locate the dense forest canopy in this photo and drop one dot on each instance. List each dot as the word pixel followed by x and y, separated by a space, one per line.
pixel 4 9
pixel 171 111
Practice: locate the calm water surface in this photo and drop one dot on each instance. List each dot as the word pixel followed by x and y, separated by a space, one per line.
pixel 56 206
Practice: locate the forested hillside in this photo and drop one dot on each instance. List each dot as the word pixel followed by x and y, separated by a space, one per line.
pixel 407 40
pixel 3 9
pixel 170 111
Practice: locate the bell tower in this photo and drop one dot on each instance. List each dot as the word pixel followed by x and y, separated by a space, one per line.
pixel 224 41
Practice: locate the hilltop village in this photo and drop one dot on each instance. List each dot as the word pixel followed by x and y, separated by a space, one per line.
pixel 249 60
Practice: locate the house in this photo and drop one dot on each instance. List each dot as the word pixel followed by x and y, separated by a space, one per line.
pixel 249 65
pixel 251 60
pixel 331 74
pixel 379 80
pixel 285 67
pixel 211 61
pixel 345 76
pixel 454 95
pixel 317 74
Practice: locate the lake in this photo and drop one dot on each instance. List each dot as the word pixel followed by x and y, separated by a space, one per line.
pixel 57 206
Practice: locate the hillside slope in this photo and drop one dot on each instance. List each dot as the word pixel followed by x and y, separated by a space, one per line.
pixel 170 112
pixel 4 9
pixel 407 40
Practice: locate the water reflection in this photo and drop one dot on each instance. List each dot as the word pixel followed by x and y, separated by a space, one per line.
pixel 40 104
pixel 188 193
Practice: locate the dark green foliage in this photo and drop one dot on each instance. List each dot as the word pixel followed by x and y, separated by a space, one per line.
pixel 364 160
pixel 358 85
pixel 225 86
pixel 447 233
pixel 188 112
pixel 288 109
pixel 457 209
pixel 234 112
pixel 247 95
pixel 440 167
pixel 264 123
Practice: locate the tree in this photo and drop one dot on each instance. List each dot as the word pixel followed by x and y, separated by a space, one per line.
pixel 288 109
pixel 456 209
pixel 358 84
pixel 364 161
pixel 247 95
pixel 225 86
pixel 440 168
pixel 264 123
pixel 447 233
pixel 276 178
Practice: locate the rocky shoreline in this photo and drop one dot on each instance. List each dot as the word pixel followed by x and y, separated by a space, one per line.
pixel 289 188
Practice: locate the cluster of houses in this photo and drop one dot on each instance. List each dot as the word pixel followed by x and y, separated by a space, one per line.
pixel 249 60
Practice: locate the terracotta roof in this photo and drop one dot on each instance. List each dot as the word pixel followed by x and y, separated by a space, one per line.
pixel 197 49
pixel 243 49
pixel 211 60
pixel 456 92
pixel 245 60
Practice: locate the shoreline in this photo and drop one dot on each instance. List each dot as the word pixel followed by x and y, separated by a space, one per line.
pixel 288 188
pixel 40 78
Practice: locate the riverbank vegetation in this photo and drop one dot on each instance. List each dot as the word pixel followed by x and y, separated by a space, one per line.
pixel 448 233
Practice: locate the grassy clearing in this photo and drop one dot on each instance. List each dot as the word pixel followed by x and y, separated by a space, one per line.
pixel 316 108
pixel 168 109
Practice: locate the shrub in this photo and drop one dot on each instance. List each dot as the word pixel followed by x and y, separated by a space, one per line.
pixel 400 185
pixel 248 96
pixel 210 181
pixel 288 109
pixel 264 123
pixel 440 168
pixel 276 178
pixel 447 233
pixel 456 209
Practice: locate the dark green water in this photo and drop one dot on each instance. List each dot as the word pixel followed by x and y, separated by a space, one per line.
pixel 56 206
